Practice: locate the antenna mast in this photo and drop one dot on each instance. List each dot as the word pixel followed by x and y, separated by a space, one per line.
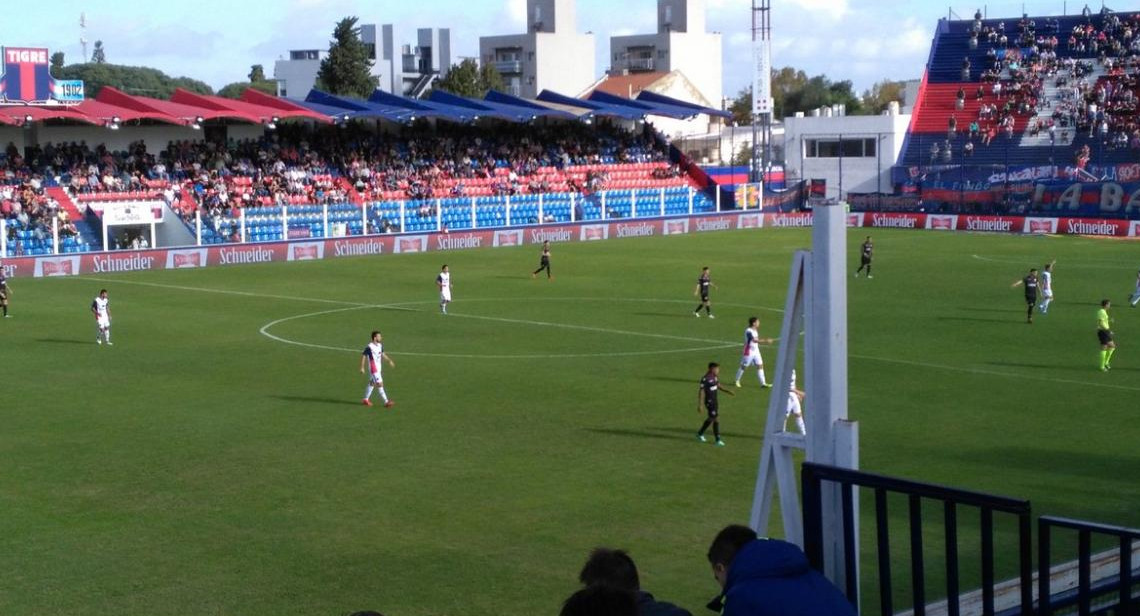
pixel 83 35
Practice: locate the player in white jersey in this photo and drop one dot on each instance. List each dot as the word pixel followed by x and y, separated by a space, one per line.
pixel 100 307
pixel 443 281
pixel 1046 287
pixel 1135 299
pixel 370 363
pixel 751 353
pixel 795 398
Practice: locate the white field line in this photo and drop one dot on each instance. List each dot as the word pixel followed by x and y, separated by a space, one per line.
pixel 719 343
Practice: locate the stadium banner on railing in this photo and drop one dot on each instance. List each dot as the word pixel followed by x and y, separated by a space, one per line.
pixel 374 245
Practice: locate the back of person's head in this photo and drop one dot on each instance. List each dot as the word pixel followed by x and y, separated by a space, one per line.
pixel 728 542
pixel 610 567
pixel 600 600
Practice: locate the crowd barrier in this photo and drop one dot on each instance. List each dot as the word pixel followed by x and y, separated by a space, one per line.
pixel 357 246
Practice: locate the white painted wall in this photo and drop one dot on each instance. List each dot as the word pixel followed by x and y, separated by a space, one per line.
pixel 295 77
pixel 859 174
pixel 564 63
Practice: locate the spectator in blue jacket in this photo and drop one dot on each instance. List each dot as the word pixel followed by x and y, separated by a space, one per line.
pixel 769 577
pixel 615 568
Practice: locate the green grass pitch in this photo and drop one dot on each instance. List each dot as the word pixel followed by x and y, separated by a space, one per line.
pixel 217 460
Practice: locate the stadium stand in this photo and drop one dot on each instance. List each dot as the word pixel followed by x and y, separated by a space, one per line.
pixel 1037 91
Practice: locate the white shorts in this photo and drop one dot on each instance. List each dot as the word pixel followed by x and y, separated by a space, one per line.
pixel 445 295
pixel 103 322
pixel 1047 294
pixel 752 359
pixel 793 405
pixel 376 378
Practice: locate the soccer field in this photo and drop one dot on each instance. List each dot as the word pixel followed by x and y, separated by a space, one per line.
pixel 217 460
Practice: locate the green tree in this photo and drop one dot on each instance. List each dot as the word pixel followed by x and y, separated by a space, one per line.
pixel 346 70
pixel 468 79
pixel 235 90
pixel 743 156
pixel 99 56
pixel 793 91
pixel 56 62
pixel 130 79
pixel 256 73
pixel 881 94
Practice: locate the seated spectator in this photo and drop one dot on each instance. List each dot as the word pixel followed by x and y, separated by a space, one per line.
pixel 600 601
pixel 769 577
pixel 615 568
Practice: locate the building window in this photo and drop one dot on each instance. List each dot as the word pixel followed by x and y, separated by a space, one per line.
pixel 831 148
pixel 530 56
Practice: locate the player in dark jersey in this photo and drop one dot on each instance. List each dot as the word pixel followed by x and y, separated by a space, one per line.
pixel 5 292
pixel 1030 284
pixel 544 262
pixel 706 401
pixel 865 254
pixel 703 284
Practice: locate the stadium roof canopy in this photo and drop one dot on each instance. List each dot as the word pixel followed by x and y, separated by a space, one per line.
pixel 287 108
pixel 542 110
pixel 356 108
pixel 598 108
pixel 659 109
pixel 485 108
pixel 246 110
pixel 652 97
pixel 431 109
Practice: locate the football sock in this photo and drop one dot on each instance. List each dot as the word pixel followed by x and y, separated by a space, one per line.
pixel 739 373
pixel 5 309
pixel 383 395
pixel 1103 358
pixel 368 393
pixel 704 426
pixel 708 309
pixel 763 379
pixel 1108 357
pixel 716 430
pixel 698 310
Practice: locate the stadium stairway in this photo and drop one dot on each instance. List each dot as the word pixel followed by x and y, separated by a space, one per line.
pixel 87 235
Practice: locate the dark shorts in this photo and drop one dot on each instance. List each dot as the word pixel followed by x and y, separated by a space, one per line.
pixel 1104 335
pixel 866 260
pixel 544 261
pixel 713 411
pixel 704 298
pixel 1030 299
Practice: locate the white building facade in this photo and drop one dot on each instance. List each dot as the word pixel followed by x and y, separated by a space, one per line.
pixel 854 154
pixel 399 67
pixel 680 44
pixel 551 55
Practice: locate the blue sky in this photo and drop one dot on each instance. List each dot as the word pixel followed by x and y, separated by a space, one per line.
pixel 860 40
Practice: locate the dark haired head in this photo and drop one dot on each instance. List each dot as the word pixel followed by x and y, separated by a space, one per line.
pixel 1104 303
pixel 728 542
pixel 713 364
pixel 612 568
pixel 600 600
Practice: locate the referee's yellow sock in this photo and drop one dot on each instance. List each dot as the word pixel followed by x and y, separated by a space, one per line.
pixel 1108 356
pixel 1103 358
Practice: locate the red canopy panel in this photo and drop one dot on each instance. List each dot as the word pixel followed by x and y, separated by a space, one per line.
pixel 105 112
pixel 258 114
pixel 283 108
pixel 184 114
pixel 16 114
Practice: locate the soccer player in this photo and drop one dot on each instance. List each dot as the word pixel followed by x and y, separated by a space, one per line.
pixel 1104 335
pixel 443 281
pixel 1132 301
pixel 5 292
pixel 751 353
pixel 544 261
pixel 100 307
pixel 865 254
pixel 371 359
pixel 706 400
pixel 703 284
pixel 1046 287
pixel 1030 284
pixel 795 397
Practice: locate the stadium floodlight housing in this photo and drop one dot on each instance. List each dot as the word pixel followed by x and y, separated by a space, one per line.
pixel 28 119
pixel 113 124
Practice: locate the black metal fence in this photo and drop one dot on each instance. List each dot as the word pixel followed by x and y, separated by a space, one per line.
pixel 951 500
pixel 1107 596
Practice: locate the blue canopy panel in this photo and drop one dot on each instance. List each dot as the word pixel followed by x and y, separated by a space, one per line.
pixel 599 108
pixel 338 114
pixel 509 113
pixel 660 109
pixel 421 108
pixel 542 111
pixel 653 97
pixel 362 109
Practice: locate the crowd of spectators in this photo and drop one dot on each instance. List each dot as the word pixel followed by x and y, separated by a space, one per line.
pixel 25 205
pixel 1023 63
